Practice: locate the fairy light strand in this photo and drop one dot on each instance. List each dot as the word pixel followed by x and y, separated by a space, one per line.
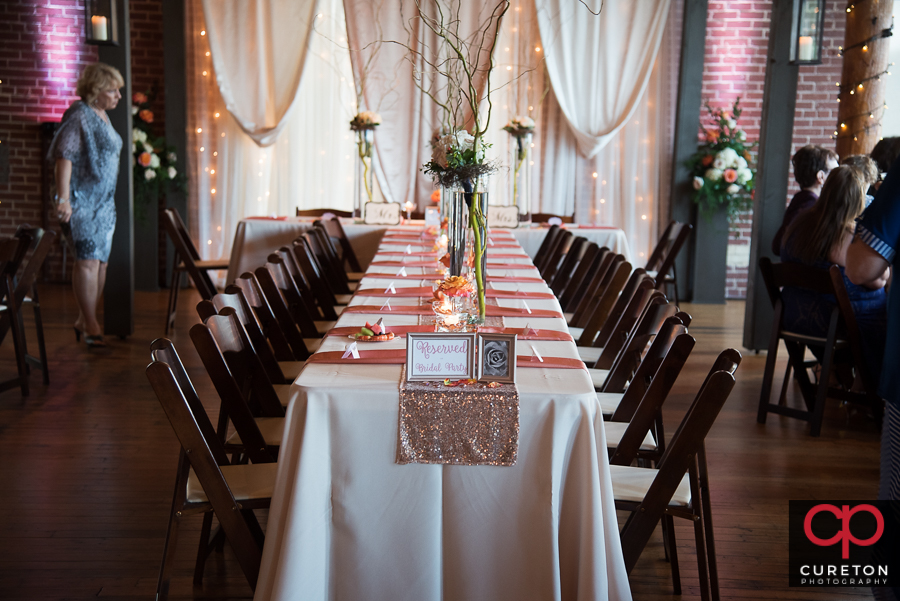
pixel 885 33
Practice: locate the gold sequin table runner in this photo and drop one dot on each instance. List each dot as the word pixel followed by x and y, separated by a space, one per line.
pixel 470 424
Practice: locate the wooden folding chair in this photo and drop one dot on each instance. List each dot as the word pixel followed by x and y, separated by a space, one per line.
pixel 593 261
pixel 599 333
pixel 26 293
pixel 601 309
pixel 776 276
pixel 286 301
pixel 332 267
pixel 662 259
pixel 545 217
pixel 548 241
pixel 564 285
pixel 320 212
pixel 625 324
pixel 12 252
pixel 186 258
pixel 331 304
pixel 678 487
pixel 555 255
pixel 560 279
pixel 207 482
pixel 252 294
pixel 336 231
pixel 594 290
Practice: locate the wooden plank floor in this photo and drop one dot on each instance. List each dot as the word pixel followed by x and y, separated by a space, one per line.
pixel 88 465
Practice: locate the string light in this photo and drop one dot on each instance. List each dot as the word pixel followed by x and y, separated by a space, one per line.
pixel 859 85
pixel 884 33
pixel 203 32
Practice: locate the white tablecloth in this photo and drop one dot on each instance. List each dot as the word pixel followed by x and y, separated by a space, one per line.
pixel 254 239
pixel 348 522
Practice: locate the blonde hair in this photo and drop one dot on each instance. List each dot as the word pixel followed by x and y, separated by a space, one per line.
pixel 866 167
pixel 95 79
pixel 821 228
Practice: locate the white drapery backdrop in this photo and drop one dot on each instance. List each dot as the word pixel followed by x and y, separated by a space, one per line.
pixel 311 163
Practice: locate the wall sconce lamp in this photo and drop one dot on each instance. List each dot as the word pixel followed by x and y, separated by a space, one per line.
pixel 807 32
pixel 101 24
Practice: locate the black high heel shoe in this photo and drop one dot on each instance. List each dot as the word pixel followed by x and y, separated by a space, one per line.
pixel 95 341
pixel 77 334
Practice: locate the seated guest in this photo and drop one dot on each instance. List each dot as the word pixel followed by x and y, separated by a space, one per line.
pixel 867 170
pixel 885 153
pixel 819 237
pixel 812 164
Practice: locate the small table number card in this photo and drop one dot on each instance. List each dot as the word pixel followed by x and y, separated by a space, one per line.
pixel 382 213
pixel 503 217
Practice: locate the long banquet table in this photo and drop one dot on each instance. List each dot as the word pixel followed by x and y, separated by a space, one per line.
pixel 348 522
pixel 256 237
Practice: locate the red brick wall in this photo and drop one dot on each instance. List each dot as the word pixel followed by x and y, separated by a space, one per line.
pixel 736 46
pixel 42 54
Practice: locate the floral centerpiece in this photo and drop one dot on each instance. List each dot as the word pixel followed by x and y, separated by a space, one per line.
pixel 364 125
pixel 521 128
pixel 722 166
pixel 154 161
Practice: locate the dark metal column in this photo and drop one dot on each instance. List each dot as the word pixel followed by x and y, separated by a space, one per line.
pixel 175 62
pixel 118 296
pixel 776 132
pixel 687 121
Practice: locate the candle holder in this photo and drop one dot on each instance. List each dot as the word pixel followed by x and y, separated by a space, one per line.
pixel 101 22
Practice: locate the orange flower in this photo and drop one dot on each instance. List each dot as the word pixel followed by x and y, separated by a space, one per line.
pixel 436 196
pixel 707 160
pixel 139 98
pixel 455 286
pixel 445 260
pixel 146 115
pixel 712 136
pixel 144 159
pixel 730 175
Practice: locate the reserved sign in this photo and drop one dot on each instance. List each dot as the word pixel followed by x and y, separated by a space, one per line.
pixel 382 213
pixel 436 356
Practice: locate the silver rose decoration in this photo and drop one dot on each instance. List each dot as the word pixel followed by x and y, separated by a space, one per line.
pixel 496 358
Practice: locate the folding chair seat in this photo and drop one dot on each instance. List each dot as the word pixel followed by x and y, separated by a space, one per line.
pixel 842 333
pixel 12 252
pixel 26 293
pixel 678 486
pixel 186 258
pixel 662 259
pixel 207 483
pixel 348 256
pixel 284 350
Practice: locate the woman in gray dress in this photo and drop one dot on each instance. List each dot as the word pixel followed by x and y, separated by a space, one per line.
pixel 86 152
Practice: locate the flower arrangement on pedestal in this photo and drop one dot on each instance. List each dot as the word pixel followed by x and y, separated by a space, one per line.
pixel 364 125
pixel 521 128
pixel 154 161
pixel 722 169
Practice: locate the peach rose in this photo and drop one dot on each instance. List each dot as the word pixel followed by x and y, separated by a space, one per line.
pixel 730 176
pixel 712 137
pixel 144 159
pixel 146 115
pixel 456 286
pixel 436 196
pixel 707 160
pixel 139 98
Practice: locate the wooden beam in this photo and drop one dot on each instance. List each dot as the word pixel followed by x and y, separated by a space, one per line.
pixel 118 305
pixel 687 123
pixel 862 77
pixel 776 133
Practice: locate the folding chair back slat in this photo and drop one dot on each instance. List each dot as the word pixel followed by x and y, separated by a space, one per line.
pixel 662 259
pixel 637 283
pixel 602 307
pixel 557 251
pixel 336 230
pixel 643 334
pixel 626 324
pixel 549 240
pixel 247 286
pixel 588 263
pixel 570 262
pixel 276 276
pixel 595 289
pixel 307 263
pixel 293 332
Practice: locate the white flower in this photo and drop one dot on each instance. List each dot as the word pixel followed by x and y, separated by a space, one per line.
pixel 744 175
pixel 731 123
pixel 733 189
pixel 148 148
pixel 133 148
pixel 149 174
pixel 154 160
pixel 698 183
pixel 139 135
pixel 741 163
pixel 172 173
pixel 728 156
pixel 173 158
pixel 719 163
pixel 741 135
pixel 134 110
pixel 713 175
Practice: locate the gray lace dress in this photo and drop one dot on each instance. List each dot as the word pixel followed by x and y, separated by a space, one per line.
pixel 94 147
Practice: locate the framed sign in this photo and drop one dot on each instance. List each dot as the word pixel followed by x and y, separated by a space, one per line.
pixel 382 213
pixel 497 358
pixel 438 356
pixel 507 217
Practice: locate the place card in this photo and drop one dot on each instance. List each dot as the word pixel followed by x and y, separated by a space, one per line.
pixel 436 356
pixel 390 289
pixel 387 306
pixel 503 217
pixel 351 350
pixel 535 354
pixel 402 273
pixel 382 213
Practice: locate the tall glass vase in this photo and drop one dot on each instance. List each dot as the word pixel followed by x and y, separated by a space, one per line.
pixel 365 141
pixel 520 171
pixel 467 218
